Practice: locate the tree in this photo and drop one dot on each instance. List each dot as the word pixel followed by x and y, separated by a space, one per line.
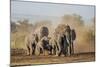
pixel 73 19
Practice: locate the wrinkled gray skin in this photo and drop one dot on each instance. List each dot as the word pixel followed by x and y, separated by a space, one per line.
pixel 43 45
pixel 30 42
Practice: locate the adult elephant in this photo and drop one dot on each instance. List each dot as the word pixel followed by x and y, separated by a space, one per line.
pixel 65 37
pixel 32 39
pixel 30 42
pixel 43 45
pixel 70 37
pixel 62 40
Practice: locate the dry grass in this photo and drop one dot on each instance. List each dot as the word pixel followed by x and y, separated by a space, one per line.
pixel 22 60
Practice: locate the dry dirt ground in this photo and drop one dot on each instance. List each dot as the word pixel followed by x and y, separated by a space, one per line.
pixel 37 60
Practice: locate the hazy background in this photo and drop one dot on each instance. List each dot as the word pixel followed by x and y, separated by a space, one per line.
pixel 38 11
pixel 27 17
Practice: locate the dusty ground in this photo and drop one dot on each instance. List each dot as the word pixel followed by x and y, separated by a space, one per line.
pixel 35 60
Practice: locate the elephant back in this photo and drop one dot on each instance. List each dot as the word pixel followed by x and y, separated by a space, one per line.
pixel 62 28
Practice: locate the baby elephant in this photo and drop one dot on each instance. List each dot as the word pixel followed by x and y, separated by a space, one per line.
pixel 43 45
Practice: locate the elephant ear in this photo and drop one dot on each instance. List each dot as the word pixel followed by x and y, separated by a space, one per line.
pixel 73 34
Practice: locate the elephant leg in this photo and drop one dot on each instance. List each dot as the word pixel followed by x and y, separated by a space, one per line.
pixel 54 50
pixel 43 51
pixel 64 51
pixel 69 51
pixel 33 53
pixel 60 52
pixel 72 48
pixel 37 50
pixel 31 50
pixel 28 50
pixel 50 51
pixel 57 50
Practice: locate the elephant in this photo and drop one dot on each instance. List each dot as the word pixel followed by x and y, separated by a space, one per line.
pixel 65 37
pixel 53 44
pixel 32 39
pixel 70 37
pixel 62 41
pixel 30 42
pixel 43 45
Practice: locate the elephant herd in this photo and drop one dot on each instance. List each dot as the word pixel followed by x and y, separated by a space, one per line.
pixel 60 43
